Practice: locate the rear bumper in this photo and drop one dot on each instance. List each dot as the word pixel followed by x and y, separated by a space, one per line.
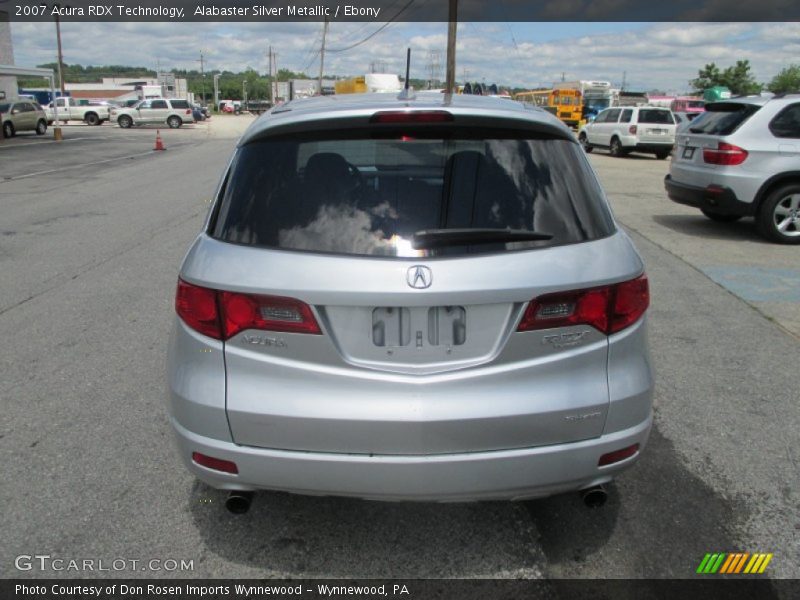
pixel 498 475
pixel 722 200
pixel 653 147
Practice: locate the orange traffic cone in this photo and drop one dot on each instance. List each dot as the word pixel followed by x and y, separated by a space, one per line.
pixel 159 141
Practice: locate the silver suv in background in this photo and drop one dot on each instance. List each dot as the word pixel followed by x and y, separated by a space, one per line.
pixel 410 299
pixel 155 111
pixel 646 129
pixel 742 158
pixel 22 115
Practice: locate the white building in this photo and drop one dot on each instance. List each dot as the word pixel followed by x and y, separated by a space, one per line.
pixel 8 84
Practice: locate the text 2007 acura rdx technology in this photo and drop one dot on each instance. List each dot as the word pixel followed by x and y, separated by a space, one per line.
pixel 410 299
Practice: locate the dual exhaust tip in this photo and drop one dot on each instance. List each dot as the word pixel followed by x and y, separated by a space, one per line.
pixel 238 502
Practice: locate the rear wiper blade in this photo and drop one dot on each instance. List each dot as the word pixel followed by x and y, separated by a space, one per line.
pixel 440 238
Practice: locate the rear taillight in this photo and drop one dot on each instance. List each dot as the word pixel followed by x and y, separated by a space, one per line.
pixel 197 306
pixel 221 315
pixel 633 129
pixel 188 111
pixel 271 313
pixel 724 154
pixel 217 464
pixel 608 309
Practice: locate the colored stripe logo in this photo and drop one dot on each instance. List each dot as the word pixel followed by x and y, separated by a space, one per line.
pixel 734 563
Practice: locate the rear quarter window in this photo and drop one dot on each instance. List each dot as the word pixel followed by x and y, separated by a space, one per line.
pixel 787 122
pixel 357 194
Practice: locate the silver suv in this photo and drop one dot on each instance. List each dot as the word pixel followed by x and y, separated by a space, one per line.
pixel 418 299
pixel 741 158
pixel 155 111
pixel 634 129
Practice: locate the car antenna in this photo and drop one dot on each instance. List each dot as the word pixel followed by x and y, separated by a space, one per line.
pixel 408 92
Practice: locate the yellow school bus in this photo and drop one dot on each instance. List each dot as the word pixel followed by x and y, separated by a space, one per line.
pixel 567 105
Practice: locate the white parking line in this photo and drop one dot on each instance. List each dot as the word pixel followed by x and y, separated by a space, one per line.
pixel 71 167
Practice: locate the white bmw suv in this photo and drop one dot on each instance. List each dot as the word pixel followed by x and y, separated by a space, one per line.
pixel 623 130
pixel 742 158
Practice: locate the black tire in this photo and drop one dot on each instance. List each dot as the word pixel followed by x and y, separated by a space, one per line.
pixel 662 154
pixel 8 129
pixel 41 127
pixel 174 122
pixel 615 149
pixel 92 119
pixel 778 217
pixel 720 218
pixel 585 143
pixel 125 122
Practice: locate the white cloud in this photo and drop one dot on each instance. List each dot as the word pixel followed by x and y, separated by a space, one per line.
pixel 664 55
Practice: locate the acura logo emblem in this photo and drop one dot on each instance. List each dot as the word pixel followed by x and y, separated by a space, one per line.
pixel 419 277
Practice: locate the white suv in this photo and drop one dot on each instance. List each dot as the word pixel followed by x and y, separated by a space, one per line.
pixel 633 129
pixel 742 158
pixel 154 111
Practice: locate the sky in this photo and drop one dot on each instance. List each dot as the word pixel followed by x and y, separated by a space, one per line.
pixel 648 56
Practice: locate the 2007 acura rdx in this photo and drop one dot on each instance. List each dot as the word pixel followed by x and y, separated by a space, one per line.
pixel 420 298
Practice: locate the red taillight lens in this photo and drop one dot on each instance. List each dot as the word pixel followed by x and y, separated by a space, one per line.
pixel 633 129
pixel 273 313
pixel 617 455
pixel 631 299
pixel 573 308
pixel 197 306
pixel 217 464
pixel 608 309
pixel 724 154
pixel 222 315
pixel 404 117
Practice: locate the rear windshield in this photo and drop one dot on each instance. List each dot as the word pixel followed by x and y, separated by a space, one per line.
pixel 368 196
pixel 722 118
pixel 647 115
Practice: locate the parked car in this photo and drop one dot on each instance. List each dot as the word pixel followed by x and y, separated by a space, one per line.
pixel 170 112
pixel 635 129
pixel 22 115
pixel 682 119
pixel 741 158
pixel 200 113
pixel 410 299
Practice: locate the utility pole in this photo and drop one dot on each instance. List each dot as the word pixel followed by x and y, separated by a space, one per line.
pixel 624 74
pixel 216 90
pixel 452 27
pixel 271 82
pixel 322 54
pixel 202 77
pixel 60 57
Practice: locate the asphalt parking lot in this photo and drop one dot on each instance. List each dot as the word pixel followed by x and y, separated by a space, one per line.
pixel 92 232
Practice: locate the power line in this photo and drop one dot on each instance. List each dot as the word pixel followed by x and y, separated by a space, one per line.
pixel 374 33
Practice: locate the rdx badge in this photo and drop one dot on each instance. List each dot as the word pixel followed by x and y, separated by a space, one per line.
pixel 565 340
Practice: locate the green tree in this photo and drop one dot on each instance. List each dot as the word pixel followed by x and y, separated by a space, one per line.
pixel 737 78
pixel 788 80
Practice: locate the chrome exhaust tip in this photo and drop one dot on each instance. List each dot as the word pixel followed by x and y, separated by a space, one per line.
pixel 238 502
pixel 594 497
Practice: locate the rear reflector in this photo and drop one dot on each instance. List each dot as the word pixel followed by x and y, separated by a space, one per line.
pixel 608 309
pixel 217 464
pixel 617 455
pixel 724 154
pixel 221 315
pixel 417 116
